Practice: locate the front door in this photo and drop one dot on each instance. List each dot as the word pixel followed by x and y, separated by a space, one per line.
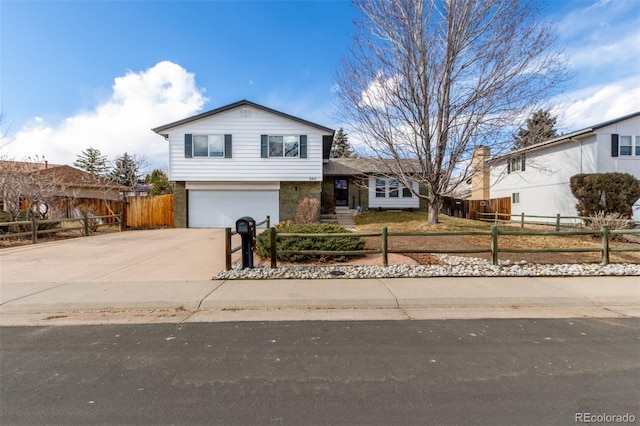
pixel 341 191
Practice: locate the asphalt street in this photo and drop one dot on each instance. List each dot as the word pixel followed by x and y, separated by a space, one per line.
pixel 480 372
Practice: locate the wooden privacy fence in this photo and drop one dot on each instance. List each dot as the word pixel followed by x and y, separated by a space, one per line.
pixel 468 209
pixel 86 225
pixel 494 247
pixel 149 212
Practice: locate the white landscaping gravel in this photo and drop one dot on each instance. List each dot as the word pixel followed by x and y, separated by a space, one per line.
pixel 455 266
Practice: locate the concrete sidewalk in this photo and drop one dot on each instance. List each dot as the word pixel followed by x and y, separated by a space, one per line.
pixel 30 303
pixel 165 276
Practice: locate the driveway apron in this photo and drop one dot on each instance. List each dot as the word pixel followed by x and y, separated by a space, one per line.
pixel 151 255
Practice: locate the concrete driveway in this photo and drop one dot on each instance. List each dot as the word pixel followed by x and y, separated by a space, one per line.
pixel 153 255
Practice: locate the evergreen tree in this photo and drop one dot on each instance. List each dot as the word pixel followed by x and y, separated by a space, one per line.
pixel 160 182
pixel 540 127
pixel 91 160
pixel 126 170
pixel 341 147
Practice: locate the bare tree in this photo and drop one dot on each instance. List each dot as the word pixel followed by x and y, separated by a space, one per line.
pixel 25 190
pixel 431 80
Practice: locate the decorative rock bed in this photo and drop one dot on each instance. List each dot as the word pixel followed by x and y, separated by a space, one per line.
pixel 453 266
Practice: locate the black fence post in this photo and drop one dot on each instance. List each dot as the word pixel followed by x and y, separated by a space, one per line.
pixel 227 248
pixel 385 254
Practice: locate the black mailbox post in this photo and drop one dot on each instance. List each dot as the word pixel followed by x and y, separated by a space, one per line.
pixel 246 227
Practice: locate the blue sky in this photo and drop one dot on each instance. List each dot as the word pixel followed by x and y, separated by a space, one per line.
pixel 75 74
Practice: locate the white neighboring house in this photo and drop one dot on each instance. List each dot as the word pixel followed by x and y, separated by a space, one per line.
pixel 243 159
pixel 536 178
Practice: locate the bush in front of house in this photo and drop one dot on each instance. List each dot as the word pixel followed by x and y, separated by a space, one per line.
pixel 263 242
pixel 308 211
pixel 604 192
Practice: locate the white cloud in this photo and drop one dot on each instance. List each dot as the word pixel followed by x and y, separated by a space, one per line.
pixel 140 101
pixel 594 105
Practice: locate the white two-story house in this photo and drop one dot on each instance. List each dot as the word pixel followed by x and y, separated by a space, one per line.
pixel 536 178
pixel 243 159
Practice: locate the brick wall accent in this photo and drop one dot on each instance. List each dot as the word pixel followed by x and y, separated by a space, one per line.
pixel 292 192
pixel 358 193
pixel 179 205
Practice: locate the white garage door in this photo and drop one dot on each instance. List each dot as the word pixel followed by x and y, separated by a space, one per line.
pixel 221 209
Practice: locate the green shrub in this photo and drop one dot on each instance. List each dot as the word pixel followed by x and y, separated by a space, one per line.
pixel 604 192
pixel 263 241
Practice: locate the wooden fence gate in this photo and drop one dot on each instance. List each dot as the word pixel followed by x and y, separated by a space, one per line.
pixel 149 212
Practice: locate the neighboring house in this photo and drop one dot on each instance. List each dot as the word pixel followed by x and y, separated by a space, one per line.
pixel 537 177
pixel 66 188
pixel 243 159
pixel 366 183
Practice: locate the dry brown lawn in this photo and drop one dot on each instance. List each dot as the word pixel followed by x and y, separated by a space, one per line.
pixel 417 222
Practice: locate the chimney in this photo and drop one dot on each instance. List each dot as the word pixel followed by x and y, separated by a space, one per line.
pixel 480 174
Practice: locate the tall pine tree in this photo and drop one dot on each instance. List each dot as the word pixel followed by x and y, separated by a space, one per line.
pixel 539 128
pixel 341 147
pixel 126 171
pixel 91 160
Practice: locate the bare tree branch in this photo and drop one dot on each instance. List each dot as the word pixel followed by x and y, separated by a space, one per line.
pixel 432 80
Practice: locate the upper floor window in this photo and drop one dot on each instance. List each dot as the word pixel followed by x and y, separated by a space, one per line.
pixel 216 146
pixel 284 146
pixel 516 164
pixel 208 145
pixel 287 146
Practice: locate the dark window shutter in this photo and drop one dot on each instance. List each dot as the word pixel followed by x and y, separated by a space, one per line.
pixel 303 146
pixel 509 166
pixel 264 146
pixel 614 145
pixel 227 146
pixel 188 145
pixel 523 161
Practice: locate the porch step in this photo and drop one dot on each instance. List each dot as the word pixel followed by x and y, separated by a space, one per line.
pixel 329 218
pixel 344 217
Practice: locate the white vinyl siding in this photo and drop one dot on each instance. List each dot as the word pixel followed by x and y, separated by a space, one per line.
pixel 246 124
